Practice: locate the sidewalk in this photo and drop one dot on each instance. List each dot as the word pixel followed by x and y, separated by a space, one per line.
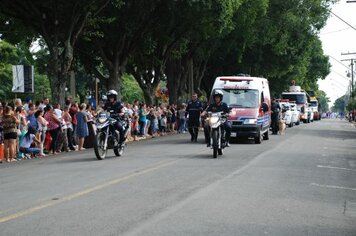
pixel 129 140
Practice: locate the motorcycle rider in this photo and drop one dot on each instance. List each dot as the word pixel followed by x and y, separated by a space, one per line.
pixel 218 106
pixel 194 109
pixel 116 109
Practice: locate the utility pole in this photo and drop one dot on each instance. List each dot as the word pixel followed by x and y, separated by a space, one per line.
pixel 352 71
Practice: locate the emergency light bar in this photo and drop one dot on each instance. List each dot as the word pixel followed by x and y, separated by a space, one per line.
pixel 236 79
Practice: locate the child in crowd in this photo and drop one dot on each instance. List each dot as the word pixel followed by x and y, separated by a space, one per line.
pixel 135 127
pixel 163 127
pixel 182 119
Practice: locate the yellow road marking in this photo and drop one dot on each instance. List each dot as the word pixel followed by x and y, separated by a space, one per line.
pixel 86 191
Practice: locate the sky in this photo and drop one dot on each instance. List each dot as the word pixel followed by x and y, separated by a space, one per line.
pixel 337 37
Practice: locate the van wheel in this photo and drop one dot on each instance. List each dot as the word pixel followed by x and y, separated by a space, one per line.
pixel 258 139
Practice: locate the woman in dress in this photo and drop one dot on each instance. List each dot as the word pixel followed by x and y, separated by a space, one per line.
pixel 53 128
pixel 42 129
pixel 82 126
pixel 9 123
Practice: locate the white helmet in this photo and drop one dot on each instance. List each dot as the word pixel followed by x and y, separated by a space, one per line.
pixel 219 93
pixel 111 93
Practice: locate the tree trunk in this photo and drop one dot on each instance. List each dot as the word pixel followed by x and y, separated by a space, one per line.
pixel 149 95
pixel 174 72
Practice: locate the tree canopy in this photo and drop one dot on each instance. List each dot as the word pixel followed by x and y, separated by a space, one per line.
pixel 185 43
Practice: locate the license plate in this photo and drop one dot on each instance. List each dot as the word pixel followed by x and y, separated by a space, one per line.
pixel 233 134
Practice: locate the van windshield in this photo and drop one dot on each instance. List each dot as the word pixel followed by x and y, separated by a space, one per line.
pixel 246 98
pixel 298 98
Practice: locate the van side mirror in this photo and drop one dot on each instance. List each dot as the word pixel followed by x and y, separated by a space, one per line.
pixel 265 107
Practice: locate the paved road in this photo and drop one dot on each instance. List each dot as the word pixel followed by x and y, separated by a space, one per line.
pixel 302 183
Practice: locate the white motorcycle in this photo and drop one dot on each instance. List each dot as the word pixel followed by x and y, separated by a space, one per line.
pixel 216 120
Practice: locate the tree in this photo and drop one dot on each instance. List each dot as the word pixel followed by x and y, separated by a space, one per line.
pixel 59 23
pixel 339 104
pixel 323 100
pixel 115 35
pixel 9 57
pixel 287 36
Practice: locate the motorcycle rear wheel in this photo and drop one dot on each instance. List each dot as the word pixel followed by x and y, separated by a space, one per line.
pixel 119 151
pixel 100 151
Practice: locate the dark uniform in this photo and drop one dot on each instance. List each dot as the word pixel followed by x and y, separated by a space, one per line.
pixel 194 109
pixel 227 125
pixel 276 108
pixel 114 109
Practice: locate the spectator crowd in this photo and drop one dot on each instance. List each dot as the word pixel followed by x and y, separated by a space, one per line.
pixel 38 129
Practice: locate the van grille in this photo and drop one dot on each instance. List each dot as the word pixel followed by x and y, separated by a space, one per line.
pixel 237 122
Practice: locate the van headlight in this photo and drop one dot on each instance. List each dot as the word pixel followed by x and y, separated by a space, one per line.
pixel 250 121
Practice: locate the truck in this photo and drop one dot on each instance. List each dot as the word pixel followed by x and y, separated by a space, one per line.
pixel 300 97
pixel 250 103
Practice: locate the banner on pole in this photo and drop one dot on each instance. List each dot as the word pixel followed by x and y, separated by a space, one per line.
pixel 23 79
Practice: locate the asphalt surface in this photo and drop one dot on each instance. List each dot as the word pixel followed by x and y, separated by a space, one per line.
pixel 300 183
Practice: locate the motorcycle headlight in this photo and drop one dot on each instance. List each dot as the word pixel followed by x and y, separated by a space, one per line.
pixel 250 121
pixel 102 119
pixel 213 120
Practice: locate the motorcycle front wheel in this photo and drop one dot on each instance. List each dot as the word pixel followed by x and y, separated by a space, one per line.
pixel 100 151
pixel 214 135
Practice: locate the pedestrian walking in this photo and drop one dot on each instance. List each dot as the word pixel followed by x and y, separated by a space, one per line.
pixel 194 109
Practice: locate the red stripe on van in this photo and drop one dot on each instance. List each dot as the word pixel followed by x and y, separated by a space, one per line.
pixel 236 79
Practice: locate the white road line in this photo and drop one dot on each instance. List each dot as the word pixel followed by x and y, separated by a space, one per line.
pixel 331 186
pixel 334 167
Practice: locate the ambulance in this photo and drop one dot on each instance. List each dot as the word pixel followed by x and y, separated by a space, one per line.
pixel 250 103
pixel 298 95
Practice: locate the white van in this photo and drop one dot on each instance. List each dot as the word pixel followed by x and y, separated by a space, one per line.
pixel 249 98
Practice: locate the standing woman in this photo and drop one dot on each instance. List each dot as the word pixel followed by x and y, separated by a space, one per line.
pixel 68 123
pixel 42 129
pixel 53 127
pixel 142 118
pixel 9 124
pixel 82 126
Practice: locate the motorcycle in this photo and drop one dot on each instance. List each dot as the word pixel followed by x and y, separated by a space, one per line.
pixel 107 137
pixel 216 120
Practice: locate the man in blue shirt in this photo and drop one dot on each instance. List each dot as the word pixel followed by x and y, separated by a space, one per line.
pixel 194 109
